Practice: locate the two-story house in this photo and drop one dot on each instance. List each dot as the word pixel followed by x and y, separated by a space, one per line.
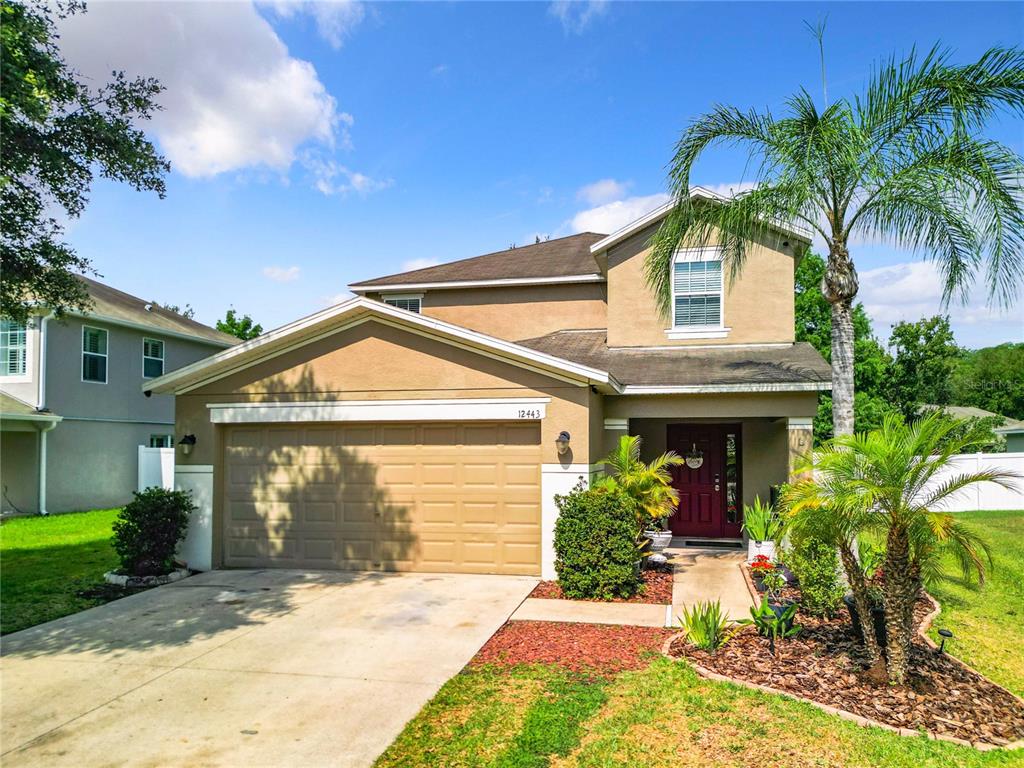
pixel 72 411
pixel 429 422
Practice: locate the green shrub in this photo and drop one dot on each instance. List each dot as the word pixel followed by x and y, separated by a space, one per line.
pixel 706 627
pixel 596 552
pixel 761 522
pixel 148 529
pixel 816 566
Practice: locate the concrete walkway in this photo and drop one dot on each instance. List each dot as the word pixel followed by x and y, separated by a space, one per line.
pixel 588 612
pixel 244 668
pixel 703 574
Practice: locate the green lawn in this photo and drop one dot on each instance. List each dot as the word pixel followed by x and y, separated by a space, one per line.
pixel 665 715
pixel 46 561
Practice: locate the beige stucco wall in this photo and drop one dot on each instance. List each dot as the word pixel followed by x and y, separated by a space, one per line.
pixel 519 312
pixel 757 306
pixel 378 362
pixel 720 406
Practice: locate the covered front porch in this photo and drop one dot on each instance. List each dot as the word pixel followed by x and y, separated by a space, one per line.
pixel 23 432
pixel 737 447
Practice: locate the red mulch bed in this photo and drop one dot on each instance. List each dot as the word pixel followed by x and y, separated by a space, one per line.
pixel 825 662
pixel 656 589
pixel 602 648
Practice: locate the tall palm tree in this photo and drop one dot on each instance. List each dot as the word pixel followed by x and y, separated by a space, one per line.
pixel 894 482
pixel 649 484
pixel 904 163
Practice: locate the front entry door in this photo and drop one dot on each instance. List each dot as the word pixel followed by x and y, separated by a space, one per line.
pixel 702 491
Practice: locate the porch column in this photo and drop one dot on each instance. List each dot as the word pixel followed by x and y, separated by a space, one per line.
pixel 613 430
pixel 801 440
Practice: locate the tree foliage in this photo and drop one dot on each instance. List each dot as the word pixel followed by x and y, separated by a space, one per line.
pixel 56 134
pixel 993 379
pixel 241 327
pixel 926 355
pixel 906 162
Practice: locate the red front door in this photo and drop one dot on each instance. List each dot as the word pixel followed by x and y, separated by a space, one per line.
pixel 702 491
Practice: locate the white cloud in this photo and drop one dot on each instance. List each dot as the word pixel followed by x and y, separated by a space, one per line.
pixel 730 189
pixel 338 298
pixel 912 290
pixel 332 178
pixel 282 274
pixel 609 217
pixel 440 69
pixel 335 19
pixel 420 263
pixel 603 191
pixel 235 98
pixel 577 15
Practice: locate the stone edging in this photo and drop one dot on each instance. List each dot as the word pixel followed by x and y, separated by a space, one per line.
pixel 123 580
pixel 865 722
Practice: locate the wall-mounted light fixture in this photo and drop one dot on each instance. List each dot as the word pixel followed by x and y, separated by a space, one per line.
pixel 186 444
pixel 562 442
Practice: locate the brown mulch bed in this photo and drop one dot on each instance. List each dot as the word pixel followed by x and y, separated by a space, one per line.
pixel 603 648
pixel 825 662
pixel 656 589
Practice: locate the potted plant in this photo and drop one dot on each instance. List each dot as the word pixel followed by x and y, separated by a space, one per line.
pixel 759 566
pixel 877 614
pixel 762 527
pixel 660 538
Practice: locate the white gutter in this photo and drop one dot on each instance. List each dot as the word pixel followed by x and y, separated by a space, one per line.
pixel 496 283
pixel 701 389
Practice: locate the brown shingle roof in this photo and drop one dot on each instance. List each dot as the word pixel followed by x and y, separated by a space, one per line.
pixel 797 363
pixel 118 305
pixel 563 257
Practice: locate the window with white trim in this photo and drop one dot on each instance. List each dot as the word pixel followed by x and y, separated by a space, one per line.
pixel 152 358
pixel 410 303
pixel 161 441
pixel 697 290
pixel 94 354
pixel 13 348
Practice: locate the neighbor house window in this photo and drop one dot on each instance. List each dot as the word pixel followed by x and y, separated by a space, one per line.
pixel 152 358
pixel 94 354
pixel 697 290
pixel 411 303
pixel 161 441
pixel 13 349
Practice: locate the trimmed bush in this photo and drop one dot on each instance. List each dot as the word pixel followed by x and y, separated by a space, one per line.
pixel 596 552
pixel 816 566
pixel 148 529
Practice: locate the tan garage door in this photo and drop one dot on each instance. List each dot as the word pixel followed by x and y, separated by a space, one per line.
pixel 424 497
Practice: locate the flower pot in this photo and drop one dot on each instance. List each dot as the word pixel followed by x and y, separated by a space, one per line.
pixel 877 618
pixel 755 548
pixel 660 540
pixel 779 608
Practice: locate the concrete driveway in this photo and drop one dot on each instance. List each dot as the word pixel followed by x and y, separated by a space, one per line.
pixel 244 668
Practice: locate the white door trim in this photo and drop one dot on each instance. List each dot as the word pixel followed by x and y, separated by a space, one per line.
pixel 468 409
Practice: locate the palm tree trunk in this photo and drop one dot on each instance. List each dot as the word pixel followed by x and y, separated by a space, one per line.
pixel 900 593
pixel 840 286
pixel 855 577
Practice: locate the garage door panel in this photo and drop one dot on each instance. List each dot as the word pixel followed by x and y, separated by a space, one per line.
pixel 439 497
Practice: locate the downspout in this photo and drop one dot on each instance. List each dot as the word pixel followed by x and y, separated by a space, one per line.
pixel 41 362
pixel 42 467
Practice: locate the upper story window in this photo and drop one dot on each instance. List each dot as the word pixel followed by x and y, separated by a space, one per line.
pixel 697 291
pixel 94 354
pixel 13 349
pixel 410 302
pixel 152 358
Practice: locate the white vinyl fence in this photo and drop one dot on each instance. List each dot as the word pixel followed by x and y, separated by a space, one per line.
pixel 156 467
pixel 985 495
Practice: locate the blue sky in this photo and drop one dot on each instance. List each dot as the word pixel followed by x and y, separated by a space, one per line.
pixel 317 145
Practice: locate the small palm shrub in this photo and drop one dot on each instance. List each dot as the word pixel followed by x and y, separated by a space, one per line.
pixel 648 484
pixel 816 566
pixel 706 627
pixel 148 529
pixel 596 551
pixel 760 521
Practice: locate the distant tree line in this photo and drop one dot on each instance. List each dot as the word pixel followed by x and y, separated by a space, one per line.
pixel 922 365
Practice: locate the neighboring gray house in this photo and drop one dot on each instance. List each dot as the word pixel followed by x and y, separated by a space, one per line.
pixel 72 411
